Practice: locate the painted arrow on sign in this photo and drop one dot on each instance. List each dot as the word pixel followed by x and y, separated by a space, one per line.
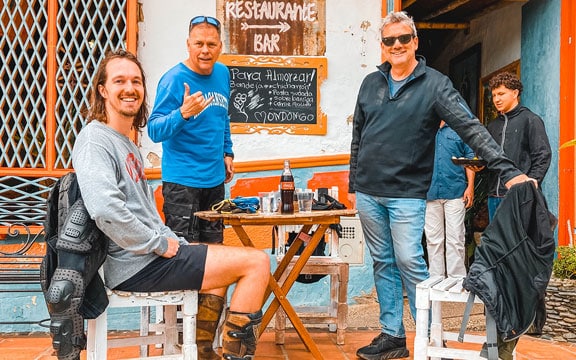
pixel 282 26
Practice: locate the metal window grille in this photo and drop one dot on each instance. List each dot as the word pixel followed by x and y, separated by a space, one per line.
pixel 36 133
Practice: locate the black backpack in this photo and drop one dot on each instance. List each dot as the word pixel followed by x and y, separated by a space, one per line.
pixel 64 194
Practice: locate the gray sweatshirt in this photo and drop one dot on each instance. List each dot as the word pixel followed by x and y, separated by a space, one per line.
pixel 110 173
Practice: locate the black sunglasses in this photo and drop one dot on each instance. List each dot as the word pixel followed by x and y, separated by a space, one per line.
pixel 391 40
pixel 205 19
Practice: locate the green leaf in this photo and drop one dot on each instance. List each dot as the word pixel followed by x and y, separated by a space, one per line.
pixel 564 266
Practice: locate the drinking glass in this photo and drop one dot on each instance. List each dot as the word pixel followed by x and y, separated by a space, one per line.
pixel 305 201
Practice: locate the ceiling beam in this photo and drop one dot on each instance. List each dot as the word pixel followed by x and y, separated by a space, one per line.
pixel 407 3
pixel 446 9
pixel 496 6
pixel 442 26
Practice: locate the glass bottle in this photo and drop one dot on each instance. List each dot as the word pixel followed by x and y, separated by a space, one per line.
pixel 287 190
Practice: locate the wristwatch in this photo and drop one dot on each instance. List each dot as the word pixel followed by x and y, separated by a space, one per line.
pixel 229 155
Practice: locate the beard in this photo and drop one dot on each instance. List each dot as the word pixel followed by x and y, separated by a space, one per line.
pixel 129 112
pixel 128 109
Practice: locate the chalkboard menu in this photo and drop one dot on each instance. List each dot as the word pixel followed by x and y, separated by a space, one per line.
pixel 279 95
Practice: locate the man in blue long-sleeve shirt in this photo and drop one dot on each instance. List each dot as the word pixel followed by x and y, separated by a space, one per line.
pixel 190 118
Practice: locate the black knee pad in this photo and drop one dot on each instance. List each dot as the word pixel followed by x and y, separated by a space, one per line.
pixel 66 284
pixel 59 295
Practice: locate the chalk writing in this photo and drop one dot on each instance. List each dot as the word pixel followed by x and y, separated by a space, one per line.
pixel 273 95
pixel 278 95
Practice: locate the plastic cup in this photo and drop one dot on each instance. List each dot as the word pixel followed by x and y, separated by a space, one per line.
pixel 305 201
pixel 266 202
pixel 276 200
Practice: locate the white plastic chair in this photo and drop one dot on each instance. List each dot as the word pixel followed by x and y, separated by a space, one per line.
pixel 165 334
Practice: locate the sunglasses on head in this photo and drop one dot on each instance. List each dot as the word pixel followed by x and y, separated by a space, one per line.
pixel 205 19
pixel 391 40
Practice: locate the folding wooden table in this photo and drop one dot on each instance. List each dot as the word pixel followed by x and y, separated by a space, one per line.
pixel 323 219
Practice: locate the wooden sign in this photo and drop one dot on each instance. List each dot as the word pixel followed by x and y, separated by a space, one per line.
pixel 276 94
pixel 273 27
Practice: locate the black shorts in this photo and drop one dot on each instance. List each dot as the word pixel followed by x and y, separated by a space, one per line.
pixel 184 271
pixel 180 204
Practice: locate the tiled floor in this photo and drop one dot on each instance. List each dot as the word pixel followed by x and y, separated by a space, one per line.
pixel 38 347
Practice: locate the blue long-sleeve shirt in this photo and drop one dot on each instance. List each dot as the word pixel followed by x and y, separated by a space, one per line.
pixel 192 150
pixel 448 180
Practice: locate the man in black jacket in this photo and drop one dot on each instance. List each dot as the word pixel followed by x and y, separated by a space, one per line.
pixel 398 112
pixel 519 132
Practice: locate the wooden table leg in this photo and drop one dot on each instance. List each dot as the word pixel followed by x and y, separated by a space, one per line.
pixel 280 297
pixel 296 269
pixel 294 319
pixel 283 265
pixel 281 291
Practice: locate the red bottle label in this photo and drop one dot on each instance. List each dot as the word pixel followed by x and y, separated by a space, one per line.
pixel 286 185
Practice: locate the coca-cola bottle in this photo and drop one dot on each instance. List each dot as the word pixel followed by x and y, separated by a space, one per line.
pixel 287 190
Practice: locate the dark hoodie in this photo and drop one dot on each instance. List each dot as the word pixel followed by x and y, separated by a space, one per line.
pixel 522 136
pixel 392 150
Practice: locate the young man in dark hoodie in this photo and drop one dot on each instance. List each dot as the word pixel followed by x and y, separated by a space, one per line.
pixel 520 134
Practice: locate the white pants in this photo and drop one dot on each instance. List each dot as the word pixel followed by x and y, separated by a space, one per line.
pixel 445 237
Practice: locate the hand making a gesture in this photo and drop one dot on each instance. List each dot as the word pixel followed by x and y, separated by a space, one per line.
pixel 193 104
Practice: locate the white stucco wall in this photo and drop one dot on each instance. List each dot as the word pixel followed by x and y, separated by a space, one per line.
pixel 352 50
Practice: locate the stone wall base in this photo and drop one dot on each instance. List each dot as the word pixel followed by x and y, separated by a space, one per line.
pixel 561 308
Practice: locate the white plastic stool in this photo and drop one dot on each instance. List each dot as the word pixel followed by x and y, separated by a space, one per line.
pixel 98 342
pixel 429 297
